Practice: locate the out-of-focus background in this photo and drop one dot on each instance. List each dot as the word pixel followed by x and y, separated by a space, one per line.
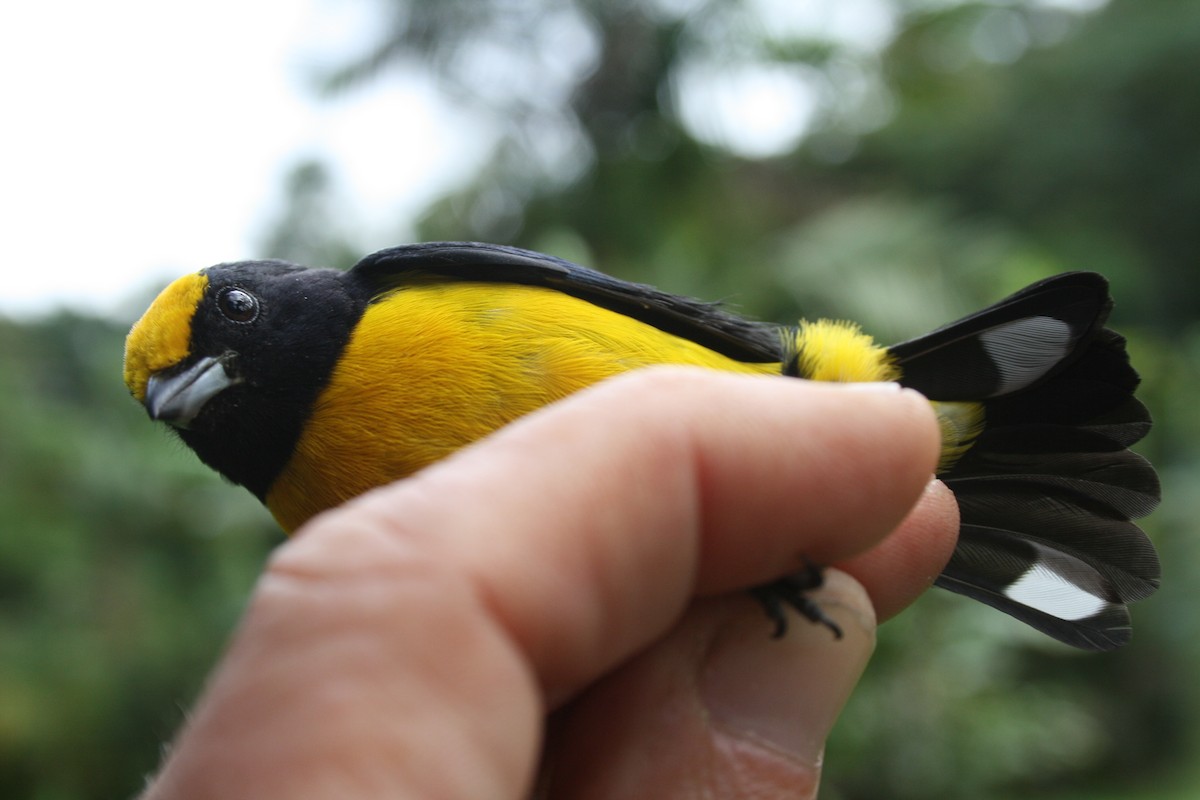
pixel 898 162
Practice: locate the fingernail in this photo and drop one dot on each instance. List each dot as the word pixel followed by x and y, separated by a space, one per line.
pixel 786 693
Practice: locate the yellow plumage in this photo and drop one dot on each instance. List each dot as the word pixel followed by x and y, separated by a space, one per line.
pixel 960 424
pixel 161 338
pixel 463 359
pixel 832 350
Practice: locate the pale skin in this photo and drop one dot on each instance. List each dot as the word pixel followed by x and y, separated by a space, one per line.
pixel 586 566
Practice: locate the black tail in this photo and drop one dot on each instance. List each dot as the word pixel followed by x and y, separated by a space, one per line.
pixel 1048 490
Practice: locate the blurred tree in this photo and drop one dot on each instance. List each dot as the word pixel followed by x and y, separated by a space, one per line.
pixel 926 158
pixel 897 162
pixel 1086 145
pixel 308 231
pixel 123 565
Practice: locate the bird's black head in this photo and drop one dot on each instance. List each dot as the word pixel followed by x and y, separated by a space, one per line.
pixel 234 356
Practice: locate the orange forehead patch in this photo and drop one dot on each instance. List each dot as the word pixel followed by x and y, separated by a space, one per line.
pixel 160 339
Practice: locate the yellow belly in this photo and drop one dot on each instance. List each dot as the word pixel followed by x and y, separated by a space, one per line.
pixel 431 368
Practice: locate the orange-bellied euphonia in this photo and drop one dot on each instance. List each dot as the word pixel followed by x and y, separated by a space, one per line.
pixel 311 386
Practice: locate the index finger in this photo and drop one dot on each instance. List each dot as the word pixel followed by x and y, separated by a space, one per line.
pixel 587 528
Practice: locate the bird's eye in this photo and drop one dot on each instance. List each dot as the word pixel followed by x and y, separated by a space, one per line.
pixel 237 305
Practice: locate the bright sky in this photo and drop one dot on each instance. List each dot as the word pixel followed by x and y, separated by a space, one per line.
pixel 144 139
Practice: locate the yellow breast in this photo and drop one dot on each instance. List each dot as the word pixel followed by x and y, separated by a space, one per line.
pixel 431 368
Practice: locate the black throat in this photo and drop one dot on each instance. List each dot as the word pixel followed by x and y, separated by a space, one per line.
pixel 283 360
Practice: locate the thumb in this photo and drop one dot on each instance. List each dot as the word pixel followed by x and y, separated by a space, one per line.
pixel 717 708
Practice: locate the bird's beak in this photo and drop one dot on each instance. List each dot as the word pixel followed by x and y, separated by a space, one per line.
pixel 177 399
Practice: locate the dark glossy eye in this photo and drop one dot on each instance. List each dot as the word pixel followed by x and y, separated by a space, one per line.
pixel 237 305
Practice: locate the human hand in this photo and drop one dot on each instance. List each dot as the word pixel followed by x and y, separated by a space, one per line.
pixel 588 563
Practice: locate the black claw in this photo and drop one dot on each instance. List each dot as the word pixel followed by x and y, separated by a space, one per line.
pixel 792 591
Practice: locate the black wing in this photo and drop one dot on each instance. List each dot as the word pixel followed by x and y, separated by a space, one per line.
pixel 704 323
pixel 1010 346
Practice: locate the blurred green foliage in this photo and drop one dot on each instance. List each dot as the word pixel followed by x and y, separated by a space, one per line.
pixel 984 146
pixel 123 565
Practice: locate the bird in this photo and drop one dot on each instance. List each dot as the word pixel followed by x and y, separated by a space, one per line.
pixel 310 386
